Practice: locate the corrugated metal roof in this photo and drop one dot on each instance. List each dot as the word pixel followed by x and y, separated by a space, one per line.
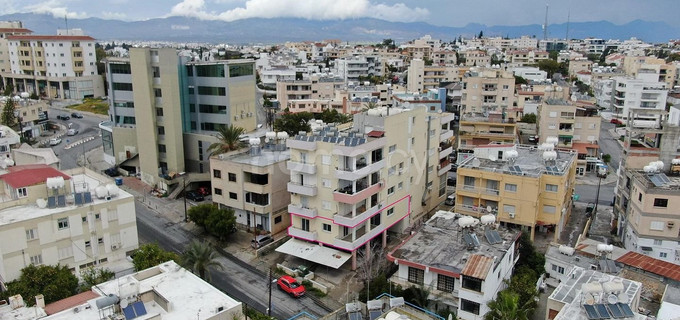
pixel 649 264
pixel 28 175
pixel 477 266
pixel 70 302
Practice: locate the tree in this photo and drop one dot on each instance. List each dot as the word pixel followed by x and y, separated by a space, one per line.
pixel 528 118
pixel 53 282
pixel 332 116
pixel 523 283
pixel 520 80
pixel 428 61
pixel 607 158
pixel 549 66
pixel 8 117
pixel 221 223
pixel 199 257
pixel 553 54
pixel 528 256
pixel 9 88
pixel 506 306
pixel 199 214
pixel 481 34
pixel 100 54
pixel 292 123
pixel 417 295
pixel 150 255
pixel 229 139
pixel 92 276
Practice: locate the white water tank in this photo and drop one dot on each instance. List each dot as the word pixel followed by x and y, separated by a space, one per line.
pixel 488 219
pixel 101 192
pixel 605 247
pixel 466 221
pixel 112 189
pixel 566 250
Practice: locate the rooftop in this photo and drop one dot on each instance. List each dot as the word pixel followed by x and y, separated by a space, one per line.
pixel 651 265
pixel 263 159
pixel 440 244
pixel 528 162
pixel 30 174
pixel 175 294
pixel 569 291
pixel 657 180
pixel 52 37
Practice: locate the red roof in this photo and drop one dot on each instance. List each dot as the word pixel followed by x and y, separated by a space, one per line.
pixel 582 148
pixel 70 302
pixel 18 30
pixel 477 266
pixel 39 37
pixel 32 174
pixel 649 264
pixel 376 134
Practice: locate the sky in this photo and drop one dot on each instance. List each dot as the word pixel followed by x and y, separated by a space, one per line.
pixel 454 13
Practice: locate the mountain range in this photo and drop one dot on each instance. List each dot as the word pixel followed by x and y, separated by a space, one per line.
pixel 277 30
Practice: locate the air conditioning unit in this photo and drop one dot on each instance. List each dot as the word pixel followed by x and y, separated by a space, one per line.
pixel 512 215
pixel 670 224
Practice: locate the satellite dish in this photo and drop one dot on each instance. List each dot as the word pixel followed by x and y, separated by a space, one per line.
pixel 612 299
pixel 123 303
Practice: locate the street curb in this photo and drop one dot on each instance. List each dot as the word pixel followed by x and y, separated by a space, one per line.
pixel 79 142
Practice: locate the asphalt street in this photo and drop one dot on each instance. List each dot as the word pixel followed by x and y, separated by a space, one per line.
pixel 87 127
pixel 608 145
pixel 236 279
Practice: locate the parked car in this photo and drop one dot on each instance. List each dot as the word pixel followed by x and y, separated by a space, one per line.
pixel 55 141
pixel 289 285
pixel 454 167
pixel 615 121
pixel 451 182
pixel 205 191
pixel 194 195
pixel 589 208
pixel 533 139
pixel 63 117
pixel 76 115
pixel 450 200
pixel 72 132
pixel 260 241
pixel 112 172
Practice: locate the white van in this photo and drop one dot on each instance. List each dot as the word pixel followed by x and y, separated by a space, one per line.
pixel 450 200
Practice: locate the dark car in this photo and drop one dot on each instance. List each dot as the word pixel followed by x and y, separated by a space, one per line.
pixel 63 117
pixel 590 208
pixel 195 196
pixel 76 115
pixel 112 172
pixel 451 182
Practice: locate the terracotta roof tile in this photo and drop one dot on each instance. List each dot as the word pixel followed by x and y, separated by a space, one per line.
pixel 28 175
pixel 70 302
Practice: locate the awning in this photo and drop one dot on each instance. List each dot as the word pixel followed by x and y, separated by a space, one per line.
pixel 646 248
pixel 314 253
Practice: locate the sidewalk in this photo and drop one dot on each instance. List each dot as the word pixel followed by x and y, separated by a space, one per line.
pixel 592 179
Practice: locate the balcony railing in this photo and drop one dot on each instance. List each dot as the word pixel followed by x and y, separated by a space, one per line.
pixel 308 190
pixel 299 233
pixel 346 195
pixel 360 172
pixel 361 237
pixel 302 210
pixel 303 167
pixel 489 191
pixel 346 219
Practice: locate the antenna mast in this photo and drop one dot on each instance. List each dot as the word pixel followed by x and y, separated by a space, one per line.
pixel 66 21
pixel 545 24
pixel 568 18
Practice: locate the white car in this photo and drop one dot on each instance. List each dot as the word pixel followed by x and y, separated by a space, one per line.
pixel 72 132
pixel 55 141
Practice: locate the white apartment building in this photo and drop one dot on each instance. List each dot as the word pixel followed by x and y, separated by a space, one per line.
pixel 351 68
pixel 422 78
pixel 349 187
pixel 76 218
pixel 644 91
pixel 53 66
pixel 461 263
pixel 9 28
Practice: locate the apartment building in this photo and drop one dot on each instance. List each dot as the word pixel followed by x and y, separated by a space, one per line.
pixel 477 58
pixel 350 187
pixel 643 92
pixel 9 28
pixel 666 72
pixel 9 141
pixel 31 115
pixel 253 183
pixel 77 218
pixel 576 128
pixel 487 90
pixel 523 186
pixel 166 124
pixel 53 66
pixel 444 58
pixel 351 68
pixel 313 88
pixel 577 65
pixel 460 262
pixel 422 78
pixel 526 57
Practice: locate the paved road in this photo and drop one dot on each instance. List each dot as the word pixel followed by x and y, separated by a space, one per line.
pixel 609 145
pixel 88 126
pixel 237 279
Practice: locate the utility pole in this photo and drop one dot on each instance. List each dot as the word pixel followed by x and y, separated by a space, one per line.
pixel 269 284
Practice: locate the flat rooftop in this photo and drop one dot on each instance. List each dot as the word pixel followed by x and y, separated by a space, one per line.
pixel 657 180
pixel 569 290
pixel 80 182
pixel 189 297
pixel 440 244
pixel 264 159
pixel 529 161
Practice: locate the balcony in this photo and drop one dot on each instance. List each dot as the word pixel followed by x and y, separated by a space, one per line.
pixel 302 210
pixel 445 152
pixel 347 220
pixel 308 168
pixel 443 167
pixel 256 188
pixel 299 233
pixel 446 135
pixel 361 237
pixel 360 171
pixel 447 118
pixel 307 190
pixel 345 195
pixel 478 191
pixel 254 207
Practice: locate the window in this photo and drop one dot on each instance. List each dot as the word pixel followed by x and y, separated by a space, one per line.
pixel 36 260
pixel 157 92
pixel 122 86
pixel 640 196
pixel 215 71
pixel 217 173
pixel 156 72
pixel 31 234
pixel 509 187
pixel 62 223
pixel 558 269
pixel 508 208
pixel 161 148
pixel 161 130
pixel 278 219
pixel 660 202
pixel 472 283
pixel 212 91
pixel 551 187
pixel 468 183
pixel 548 209
pixel 663 255
pixel 416 275
pixel 232 177
pixel 22 192
pixel 400 185
pixel 239 70
pixel 658 242
pixel 375 220
pixel 390 211
pixel 159 112
pixel 87 244
pixel 392 148
pixel 326 227
pixel 120 68
pixel 218 191
pixel 84 219
pixel 232 195
pixel 96 216
pixel 656 225
pixel 100 241
pixel 305 224
pixel 444 283
pixel 390 190
pixel 469 306
pixel 65 252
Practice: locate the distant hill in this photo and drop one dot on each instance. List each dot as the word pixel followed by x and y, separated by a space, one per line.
pixel 277 30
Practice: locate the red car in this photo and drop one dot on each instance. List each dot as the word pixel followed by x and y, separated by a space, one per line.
pixel 615 121
pixel 291 286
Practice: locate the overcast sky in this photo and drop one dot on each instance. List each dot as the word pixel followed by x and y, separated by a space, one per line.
pixel 438 12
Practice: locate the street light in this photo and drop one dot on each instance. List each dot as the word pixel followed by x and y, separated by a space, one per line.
pixel 184 191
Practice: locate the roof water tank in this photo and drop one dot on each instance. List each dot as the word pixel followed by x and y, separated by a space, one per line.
pixel 112 189
pixel 107 301
pixel 566 250
pixel 488 219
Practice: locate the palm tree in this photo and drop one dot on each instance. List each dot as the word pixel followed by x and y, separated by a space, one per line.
pixel 370 105
pixel 506 307
pixel 229 139
pixel 199 257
